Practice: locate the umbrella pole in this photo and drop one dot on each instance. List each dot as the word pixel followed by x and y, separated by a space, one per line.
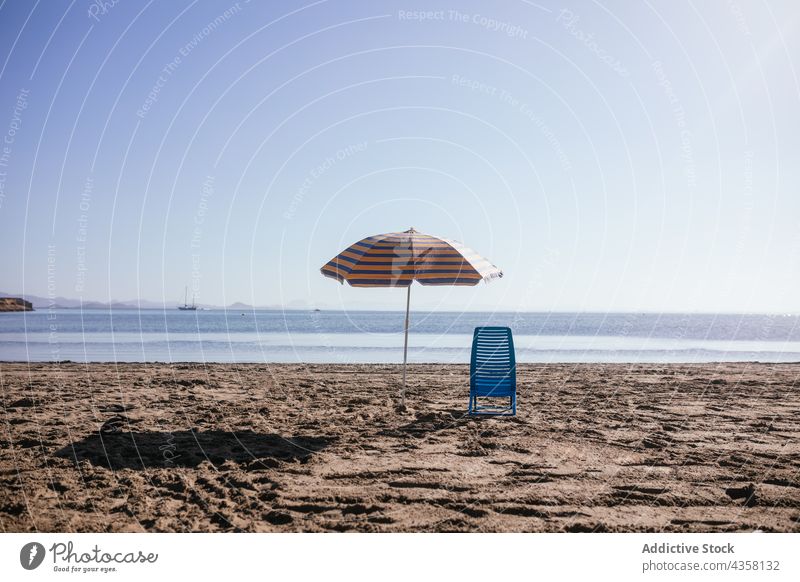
pixel 405 349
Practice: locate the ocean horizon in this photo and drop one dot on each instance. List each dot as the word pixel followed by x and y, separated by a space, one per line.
pixel 310 336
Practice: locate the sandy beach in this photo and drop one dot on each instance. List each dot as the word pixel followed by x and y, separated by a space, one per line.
pixel 318 448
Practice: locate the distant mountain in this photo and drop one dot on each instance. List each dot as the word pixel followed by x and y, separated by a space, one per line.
pixel 41 303
pixel 292 305
pixel 14 304
pixel 66 303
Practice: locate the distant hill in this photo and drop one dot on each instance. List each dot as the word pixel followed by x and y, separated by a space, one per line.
pixel 15 304
pixel 67 303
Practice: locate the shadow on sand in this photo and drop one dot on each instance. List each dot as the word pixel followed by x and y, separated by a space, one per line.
pixel 139 450
pixel 425 423
pixel 433 421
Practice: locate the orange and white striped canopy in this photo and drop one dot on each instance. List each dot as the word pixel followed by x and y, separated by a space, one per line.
pixel 397 259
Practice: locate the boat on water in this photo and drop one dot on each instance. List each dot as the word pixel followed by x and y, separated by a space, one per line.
pixel 186 306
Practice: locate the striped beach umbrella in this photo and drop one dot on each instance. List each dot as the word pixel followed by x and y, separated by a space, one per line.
pixel 397 259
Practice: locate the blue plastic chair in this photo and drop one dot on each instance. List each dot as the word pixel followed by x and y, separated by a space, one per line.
pixel 493 371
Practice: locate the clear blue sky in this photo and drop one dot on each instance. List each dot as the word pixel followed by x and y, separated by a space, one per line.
pixel 606 155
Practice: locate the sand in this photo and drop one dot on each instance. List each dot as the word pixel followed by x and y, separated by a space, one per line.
pixel 321 448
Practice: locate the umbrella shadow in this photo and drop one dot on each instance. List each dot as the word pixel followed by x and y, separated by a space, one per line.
pixel 188 448
pixel 426 423
pixel 434 421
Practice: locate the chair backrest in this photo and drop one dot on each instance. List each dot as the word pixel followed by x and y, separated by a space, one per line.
pixel 493 368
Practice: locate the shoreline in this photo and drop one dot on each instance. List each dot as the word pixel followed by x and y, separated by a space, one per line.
pixel 394 364
pixel 320 447
pixel 392 308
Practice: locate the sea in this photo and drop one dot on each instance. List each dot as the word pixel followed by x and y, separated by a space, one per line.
pixel 152 335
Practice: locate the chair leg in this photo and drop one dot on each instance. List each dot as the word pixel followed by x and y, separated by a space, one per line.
pixel 511 409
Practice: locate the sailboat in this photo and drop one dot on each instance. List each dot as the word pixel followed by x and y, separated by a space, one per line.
pixel 186 306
